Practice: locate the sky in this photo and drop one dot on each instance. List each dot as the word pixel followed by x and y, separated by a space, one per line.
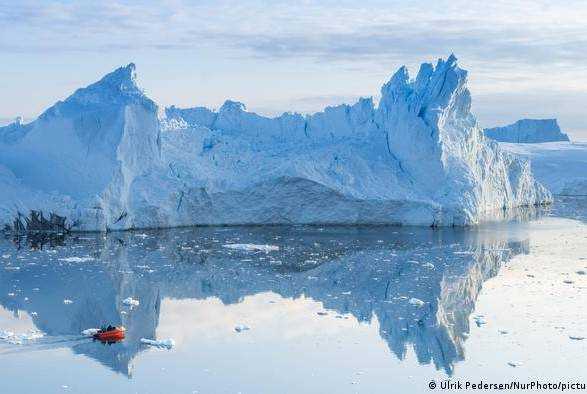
pixel 525 58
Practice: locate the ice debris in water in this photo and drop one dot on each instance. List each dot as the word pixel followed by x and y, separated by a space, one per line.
pixel 130 301
pixel 67 301
pixel 416 302
pixel 479 320
pixel 76 259
pixel 19 339
pixel 252 247
pixel 90 332
pixel 241 328
pixel 162 343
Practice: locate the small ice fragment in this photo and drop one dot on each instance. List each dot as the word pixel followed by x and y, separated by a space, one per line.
pixel 19 339
pixel 90 332
pixel 162 343
pixel 428 265
pixel 479 320
pixel 130 301
pixel 67 301
pixel 515 364
pixel 241 328
pixel 252 247
pixel 416 301
pixel 143 236
pixel 5 256
pixel 76 259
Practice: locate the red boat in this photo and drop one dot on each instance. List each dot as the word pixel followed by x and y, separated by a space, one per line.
pixel 110 334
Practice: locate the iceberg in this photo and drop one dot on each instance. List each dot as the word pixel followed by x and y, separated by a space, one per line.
pixel 109 158
pixel 560 166
pixel 528 131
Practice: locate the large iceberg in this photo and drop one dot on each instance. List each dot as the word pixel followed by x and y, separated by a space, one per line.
pixel 528 131
pixel 109 158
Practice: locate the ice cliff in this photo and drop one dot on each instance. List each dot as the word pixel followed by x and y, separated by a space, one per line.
pixel 108 158
pixel 528 131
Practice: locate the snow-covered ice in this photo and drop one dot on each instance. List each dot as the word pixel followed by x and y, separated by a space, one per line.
pixel 20 338
pixel 241 328
pixel 528 131
pixel 76 259
pixel 129 301
pixel 108 157
pixel 252 247
pixel 416 301
pixel 162 343
pixel 560 166
pixel 89 332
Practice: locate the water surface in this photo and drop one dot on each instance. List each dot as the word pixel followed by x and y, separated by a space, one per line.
pixel 342 309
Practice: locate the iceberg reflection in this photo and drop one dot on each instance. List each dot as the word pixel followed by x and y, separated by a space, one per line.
pixel 419 283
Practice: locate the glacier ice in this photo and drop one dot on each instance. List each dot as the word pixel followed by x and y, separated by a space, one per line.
pixel 560 166
pixel 528 131
pixel 109 158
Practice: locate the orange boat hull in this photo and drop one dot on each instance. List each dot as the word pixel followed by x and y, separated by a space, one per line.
pixel 110 336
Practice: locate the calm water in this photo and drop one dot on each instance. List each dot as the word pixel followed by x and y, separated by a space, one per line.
pixel 370 309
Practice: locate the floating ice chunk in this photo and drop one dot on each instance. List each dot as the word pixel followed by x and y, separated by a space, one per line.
pixel 19 339
pixel 76 259
pixel 479 320
pixel 130 301
pixel 162 343
pixel 67 301
pixel 5 256
pixel 241 328
pixel 416 301
pixel 89 332
pixel 428 265
pixel 252 247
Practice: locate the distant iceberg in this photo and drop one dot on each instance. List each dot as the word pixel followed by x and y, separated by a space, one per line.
pixel 109 158
pixel 528 131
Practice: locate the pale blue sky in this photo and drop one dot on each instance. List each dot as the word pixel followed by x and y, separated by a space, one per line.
pixel 524 60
